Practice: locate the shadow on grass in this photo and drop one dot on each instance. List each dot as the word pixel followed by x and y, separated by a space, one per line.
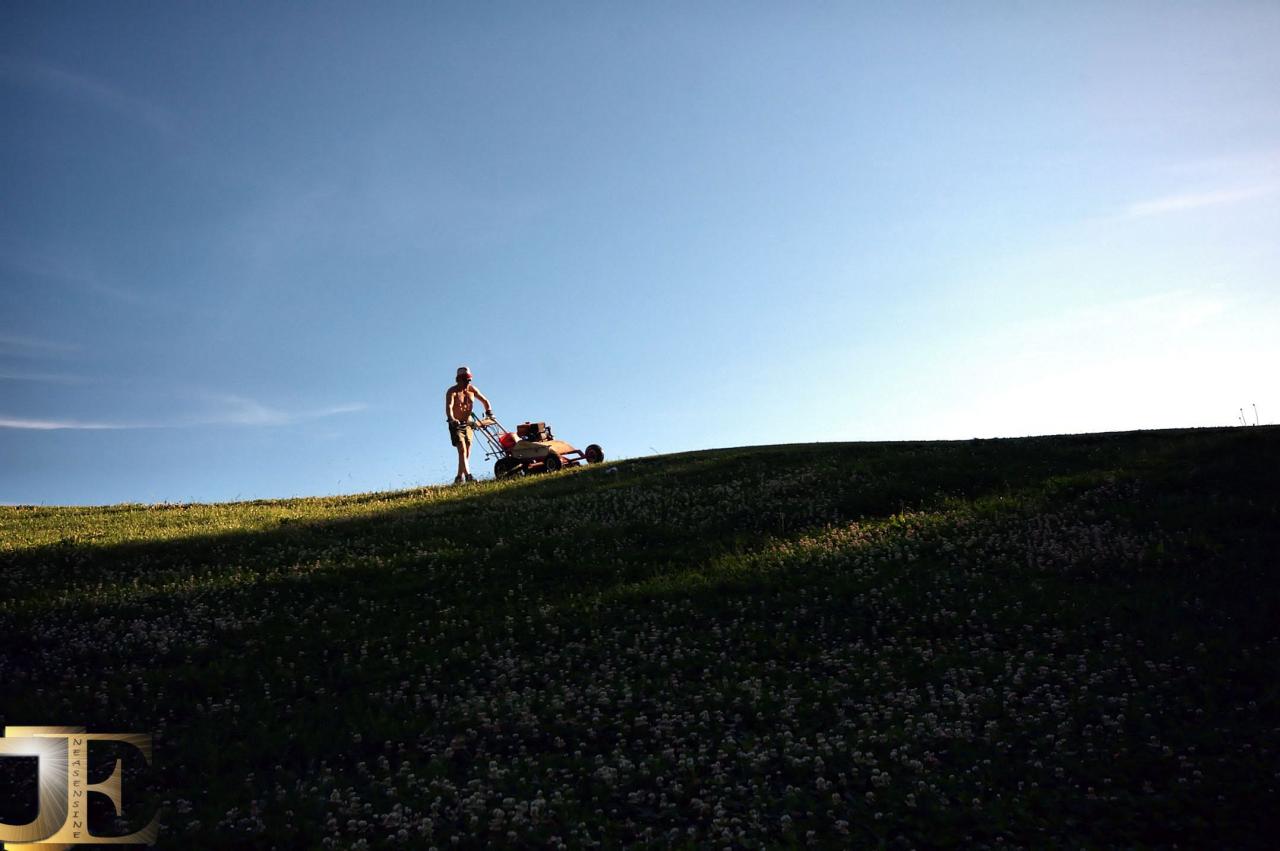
pixel 332 586
pixel 534 517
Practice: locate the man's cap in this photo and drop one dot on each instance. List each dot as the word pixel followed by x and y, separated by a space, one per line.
pixel 463 372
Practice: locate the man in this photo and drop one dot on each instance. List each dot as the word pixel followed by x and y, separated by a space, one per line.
pixel 458 400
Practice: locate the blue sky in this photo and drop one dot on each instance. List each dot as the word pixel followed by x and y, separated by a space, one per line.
pixel 243 247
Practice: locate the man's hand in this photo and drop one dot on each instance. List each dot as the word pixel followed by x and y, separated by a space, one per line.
pixel 489 414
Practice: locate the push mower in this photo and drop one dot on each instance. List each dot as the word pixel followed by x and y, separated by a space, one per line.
pixel 532 448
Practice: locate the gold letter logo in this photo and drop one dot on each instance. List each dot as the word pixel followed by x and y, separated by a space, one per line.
pixel 64 787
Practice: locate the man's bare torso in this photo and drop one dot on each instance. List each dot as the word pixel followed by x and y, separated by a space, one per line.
pixel 460 400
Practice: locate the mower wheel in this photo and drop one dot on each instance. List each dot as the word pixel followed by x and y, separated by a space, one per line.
pixel 594 454
pixel 507 467
pixel 552 462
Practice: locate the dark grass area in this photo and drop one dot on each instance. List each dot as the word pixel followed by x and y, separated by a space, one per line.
pixel 1046 642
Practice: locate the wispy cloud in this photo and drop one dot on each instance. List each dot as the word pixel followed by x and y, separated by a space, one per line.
pixel 1196 200
pixel 1149 322
pixel 240 410
pixel 1139 317
pixel 1175 311
pixel 52 425
pixel 43 377
pixel 231 411
pixel 91 90
pixel 58 269
pixel 18 344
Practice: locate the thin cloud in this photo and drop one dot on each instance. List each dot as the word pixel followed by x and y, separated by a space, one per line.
pixel 1176 310
pixel 43 377
pixel 89 90
pixel 240 410
pixel 61 271
pixel 22 345
pixel 1156 313
pixel 235 411
pixel 1195 201
pixel 53 425
pixel 1149 322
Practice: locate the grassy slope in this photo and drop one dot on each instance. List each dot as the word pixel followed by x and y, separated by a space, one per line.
pixel 1069 640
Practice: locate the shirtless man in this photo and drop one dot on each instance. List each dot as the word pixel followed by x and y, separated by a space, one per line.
pixel 458 400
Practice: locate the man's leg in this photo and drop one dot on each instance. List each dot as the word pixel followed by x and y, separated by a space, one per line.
pixel 462 460
pixel 466 460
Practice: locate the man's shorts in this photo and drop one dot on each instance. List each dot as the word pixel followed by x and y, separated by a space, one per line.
pixel 461 435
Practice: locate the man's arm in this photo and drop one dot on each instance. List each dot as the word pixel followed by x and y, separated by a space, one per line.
pixel 488 409
pixel 448 405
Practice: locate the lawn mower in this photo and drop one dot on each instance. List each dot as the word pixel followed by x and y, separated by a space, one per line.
pixel 532 448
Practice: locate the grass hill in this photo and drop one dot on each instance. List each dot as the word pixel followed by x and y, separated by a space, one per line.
pixel 1060 641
